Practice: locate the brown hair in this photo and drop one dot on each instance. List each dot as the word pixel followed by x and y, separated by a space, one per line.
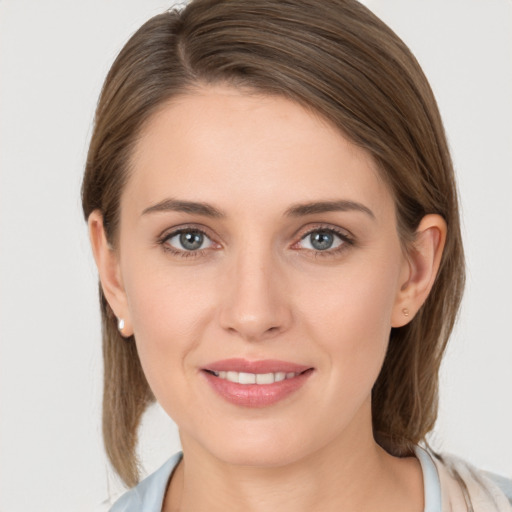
pixel 336 58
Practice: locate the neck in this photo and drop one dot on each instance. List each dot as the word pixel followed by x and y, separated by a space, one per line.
pixel 351 473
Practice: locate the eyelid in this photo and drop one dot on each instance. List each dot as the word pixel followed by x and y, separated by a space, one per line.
pixel 345 234
pixel 175 230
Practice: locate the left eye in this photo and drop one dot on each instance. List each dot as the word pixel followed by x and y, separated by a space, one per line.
pixel 190 240
pixel 322 240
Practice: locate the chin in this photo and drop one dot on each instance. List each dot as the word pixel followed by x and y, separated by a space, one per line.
pixel 263 445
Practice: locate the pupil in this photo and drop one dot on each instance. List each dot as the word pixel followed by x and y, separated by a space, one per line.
pixel 322 240
pixel 191 241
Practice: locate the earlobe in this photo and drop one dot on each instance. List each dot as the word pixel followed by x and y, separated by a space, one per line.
pixel 107 262
pixel 424 258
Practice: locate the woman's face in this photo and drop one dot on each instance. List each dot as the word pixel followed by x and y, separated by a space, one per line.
pixel 257 244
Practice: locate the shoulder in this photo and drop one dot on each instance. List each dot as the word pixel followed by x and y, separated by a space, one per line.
pixel 149 494
pixel 464 487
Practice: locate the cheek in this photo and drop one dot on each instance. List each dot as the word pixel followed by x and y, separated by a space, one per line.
pixel 359 298
pixel 168 313
pixel 349 315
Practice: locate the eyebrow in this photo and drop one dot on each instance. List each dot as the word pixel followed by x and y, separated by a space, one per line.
pixel 176 205
pixel 297 210
pixel 300 210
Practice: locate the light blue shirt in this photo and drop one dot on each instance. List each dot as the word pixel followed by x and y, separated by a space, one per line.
pixel 149 495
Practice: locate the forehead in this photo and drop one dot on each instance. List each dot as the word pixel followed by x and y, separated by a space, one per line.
pixel 226 144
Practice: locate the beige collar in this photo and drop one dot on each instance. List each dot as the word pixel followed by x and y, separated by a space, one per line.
pixel 465 489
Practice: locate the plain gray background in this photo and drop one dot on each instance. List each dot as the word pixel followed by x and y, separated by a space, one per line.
pixel 54 55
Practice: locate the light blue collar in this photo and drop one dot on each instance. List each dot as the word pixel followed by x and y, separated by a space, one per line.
pixel 431 483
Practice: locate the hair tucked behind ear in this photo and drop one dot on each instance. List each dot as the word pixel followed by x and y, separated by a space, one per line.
pixel 122 406
pixel 337 59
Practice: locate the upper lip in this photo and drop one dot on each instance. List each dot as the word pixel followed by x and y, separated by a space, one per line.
pixel 262 366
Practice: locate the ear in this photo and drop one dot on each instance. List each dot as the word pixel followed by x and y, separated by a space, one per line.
pixel 107 261
pixel 420 269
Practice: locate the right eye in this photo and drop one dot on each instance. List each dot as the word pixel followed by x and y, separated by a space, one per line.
pixel 187 240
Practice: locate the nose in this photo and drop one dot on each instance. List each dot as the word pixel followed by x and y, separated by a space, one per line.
pixel 256 300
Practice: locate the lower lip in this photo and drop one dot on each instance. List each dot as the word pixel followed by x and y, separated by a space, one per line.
pixel 256 395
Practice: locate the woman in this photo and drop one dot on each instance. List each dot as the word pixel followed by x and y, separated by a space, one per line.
pixel 273 213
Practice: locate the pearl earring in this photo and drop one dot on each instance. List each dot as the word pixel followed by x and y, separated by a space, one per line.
pixel 120 324
pixel 405 312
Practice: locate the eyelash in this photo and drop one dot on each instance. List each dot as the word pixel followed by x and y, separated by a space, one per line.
pixel 346 239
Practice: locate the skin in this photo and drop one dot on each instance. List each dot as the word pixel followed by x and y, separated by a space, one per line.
pixel 258 289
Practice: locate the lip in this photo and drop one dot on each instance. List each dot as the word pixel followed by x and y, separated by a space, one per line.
pixel 256 395
pixel 262 366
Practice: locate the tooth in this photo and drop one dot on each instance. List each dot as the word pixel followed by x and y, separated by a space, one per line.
pixel 254 378
pixel 232 376
pixel 246 378
pixel 264 378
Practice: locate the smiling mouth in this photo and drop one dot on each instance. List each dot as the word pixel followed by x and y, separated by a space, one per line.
pixel 256 383
pixel 255 378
